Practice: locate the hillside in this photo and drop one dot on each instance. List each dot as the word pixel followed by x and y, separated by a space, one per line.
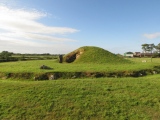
pixel 90 54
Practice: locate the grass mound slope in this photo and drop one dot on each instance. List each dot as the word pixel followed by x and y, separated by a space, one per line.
pixel 91 54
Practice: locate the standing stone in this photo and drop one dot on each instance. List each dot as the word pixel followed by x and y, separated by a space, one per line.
pixel 60 58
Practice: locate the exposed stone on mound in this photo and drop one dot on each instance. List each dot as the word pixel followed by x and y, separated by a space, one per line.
pixel 71 57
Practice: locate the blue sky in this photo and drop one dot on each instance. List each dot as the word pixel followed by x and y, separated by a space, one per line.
pixel 61 26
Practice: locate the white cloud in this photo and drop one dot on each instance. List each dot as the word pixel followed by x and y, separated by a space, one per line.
pixel 152 36
pixel 31 36
pixel 20 27
pixel 8 41
pixel 18 46
pixel 25 21
pixel 47 38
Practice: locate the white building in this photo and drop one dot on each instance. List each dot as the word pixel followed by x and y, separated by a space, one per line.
pixel 128 54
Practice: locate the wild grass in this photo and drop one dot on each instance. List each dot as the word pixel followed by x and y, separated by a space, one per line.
pixel 95 99
pixel 34 66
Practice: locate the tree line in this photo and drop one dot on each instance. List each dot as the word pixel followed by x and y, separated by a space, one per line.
pixel 6 56
pixel 151 48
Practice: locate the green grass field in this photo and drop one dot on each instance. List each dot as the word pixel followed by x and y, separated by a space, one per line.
pixel 88 99
pixel 31 69
pixel 123 98
pixel 33 66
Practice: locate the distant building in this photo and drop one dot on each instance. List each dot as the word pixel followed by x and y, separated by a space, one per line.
pixel 128 54
pixel 137 54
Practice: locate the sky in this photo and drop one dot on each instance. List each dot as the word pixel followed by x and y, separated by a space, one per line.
pixel 61 26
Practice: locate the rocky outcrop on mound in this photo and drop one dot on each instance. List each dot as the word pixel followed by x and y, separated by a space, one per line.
pixel 71 57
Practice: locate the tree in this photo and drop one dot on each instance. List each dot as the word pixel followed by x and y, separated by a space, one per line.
pixel 150 48
pixel 158 48
pixel 5 55
pixel 144 48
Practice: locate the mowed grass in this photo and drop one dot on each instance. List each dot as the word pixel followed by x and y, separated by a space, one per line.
pixel 88 99
pixel 34 66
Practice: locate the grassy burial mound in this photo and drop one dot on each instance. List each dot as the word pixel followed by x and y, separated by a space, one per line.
pixel 90 54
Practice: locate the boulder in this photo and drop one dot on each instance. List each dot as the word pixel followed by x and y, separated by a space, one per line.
pixel 45 67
